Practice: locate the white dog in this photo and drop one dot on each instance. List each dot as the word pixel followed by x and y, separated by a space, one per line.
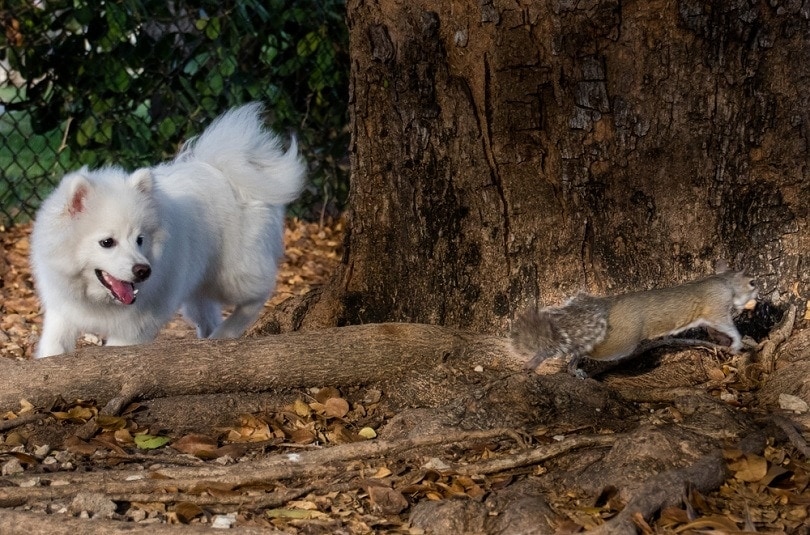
pixel 118 254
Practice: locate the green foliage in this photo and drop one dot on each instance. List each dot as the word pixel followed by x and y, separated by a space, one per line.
pixel 131 79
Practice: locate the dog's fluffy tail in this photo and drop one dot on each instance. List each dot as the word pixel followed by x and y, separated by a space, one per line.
pixel 250 156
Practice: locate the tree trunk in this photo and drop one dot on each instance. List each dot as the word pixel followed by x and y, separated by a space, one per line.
pixel 505 152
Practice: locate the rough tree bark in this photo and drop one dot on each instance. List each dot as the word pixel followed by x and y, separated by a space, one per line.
pixel 509 151
pixel 352 355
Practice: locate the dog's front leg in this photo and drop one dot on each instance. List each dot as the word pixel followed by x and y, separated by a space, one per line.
pixel 58 336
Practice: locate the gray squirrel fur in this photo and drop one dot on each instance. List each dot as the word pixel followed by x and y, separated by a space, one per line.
pixel 611 328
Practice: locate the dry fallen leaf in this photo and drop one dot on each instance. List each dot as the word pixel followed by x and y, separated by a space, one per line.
pixel 302 435
pixel 749 467
pixel 251 429
pixel 368 433
pixel 336 408
pixel 197 444
pixel 187 511
pixel 382 472
pixel 301 408
pixel 387 500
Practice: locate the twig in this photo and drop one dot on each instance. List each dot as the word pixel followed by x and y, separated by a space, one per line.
pixel 218 502
pixel 63 144
pixel 793 436
pixel 23 419
pixel 186 460
pixel 537 455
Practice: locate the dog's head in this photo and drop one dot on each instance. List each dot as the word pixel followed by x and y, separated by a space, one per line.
pixel 107 227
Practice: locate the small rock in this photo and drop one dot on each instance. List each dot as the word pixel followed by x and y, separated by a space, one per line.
pixel 63 456
pixel 93 502
pixel 224 521
pixel 436 464
pixel 137 515
pixel 728 397
pixel 57 508
pixel 792 403
pixel 12 467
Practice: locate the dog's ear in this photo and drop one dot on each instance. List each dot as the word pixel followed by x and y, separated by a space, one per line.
pixel 78 189
pixel 142 180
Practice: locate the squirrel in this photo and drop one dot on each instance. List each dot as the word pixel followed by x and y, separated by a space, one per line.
pixel 611 328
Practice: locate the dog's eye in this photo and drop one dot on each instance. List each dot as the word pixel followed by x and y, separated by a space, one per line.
pixel 107 243
pixel 139 240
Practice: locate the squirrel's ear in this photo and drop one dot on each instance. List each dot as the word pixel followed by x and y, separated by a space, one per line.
pixel 721 266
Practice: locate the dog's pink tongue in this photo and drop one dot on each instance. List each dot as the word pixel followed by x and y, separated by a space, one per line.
pixel 123 291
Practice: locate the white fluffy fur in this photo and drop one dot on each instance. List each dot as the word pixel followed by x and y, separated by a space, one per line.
pixel 211 226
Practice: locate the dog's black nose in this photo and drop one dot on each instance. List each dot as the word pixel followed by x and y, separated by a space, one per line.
pixel 141 272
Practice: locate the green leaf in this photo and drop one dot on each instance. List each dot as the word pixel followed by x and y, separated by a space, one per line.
pixel 86 131
pixel 269 53
pixel 168 126
pixel 104 134
pixel 150 442
pixel 196 63
pixel 213 28
pixel 309 44
pixel 118 79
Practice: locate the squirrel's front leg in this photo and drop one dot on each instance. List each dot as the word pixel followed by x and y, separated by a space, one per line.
pixel 540 356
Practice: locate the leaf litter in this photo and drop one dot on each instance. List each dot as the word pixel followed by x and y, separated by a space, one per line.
pixel 767 494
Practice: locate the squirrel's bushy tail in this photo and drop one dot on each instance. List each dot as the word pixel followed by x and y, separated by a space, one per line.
pixel 250 156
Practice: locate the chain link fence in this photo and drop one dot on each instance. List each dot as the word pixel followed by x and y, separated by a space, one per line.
pixel 89 82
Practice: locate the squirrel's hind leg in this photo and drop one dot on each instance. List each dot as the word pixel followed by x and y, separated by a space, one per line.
pixel 574 369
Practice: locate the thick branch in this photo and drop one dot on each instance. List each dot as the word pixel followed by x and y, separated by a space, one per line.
pixel 347 355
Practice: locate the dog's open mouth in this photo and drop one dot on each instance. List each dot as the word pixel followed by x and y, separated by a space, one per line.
pixel 122 291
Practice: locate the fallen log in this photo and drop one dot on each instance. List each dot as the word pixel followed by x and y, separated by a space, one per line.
pixel 346 355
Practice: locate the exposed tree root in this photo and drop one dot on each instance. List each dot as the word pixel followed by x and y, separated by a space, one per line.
pixel 24 523
pixel 780 333
pixel 22 419
pixel 537 454
pixel 347 355
pixel 667 488
pixel 794 437
pixel 197 480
